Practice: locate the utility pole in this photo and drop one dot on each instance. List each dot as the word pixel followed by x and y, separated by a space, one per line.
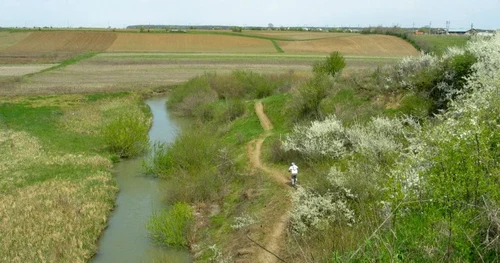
pixel 447 27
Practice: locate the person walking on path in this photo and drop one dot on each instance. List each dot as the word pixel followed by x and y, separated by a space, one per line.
pixel 294 170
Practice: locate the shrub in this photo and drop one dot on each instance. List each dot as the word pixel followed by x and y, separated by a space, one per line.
pixel 314 211
pixel 440 79
pixel 127 134
pixel 330 139
pixel 198 168
pixel 171 227
pixel 193 99
pixel 332 65
pixel 443 190
pixel 232 110
pixel 308 97
pixel 194 85
pixel 377 138
pixel 236 29
pixel 415 106
pixel 318 140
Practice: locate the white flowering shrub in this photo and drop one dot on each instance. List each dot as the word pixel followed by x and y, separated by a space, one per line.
pixel 217 255
pixel 452 52
pixel 448 175
pixel 319 139
pixel 329 138
pixel 487 52
pixel 409 66
pixel 441 79
pixel 315 211
pixel 379 136
pixel 243 222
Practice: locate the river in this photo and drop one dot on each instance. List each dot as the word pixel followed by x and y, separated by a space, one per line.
pixel 126 239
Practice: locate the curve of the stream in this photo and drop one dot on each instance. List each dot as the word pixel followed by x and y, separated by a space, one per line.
pixel 126 239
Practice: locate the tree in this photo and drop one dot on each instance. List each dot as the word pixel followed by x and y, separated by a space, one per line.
pixel 236 29
pixel 332 65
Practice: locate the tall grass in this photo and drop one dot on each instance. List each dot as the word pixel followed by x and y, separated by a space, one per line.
pixel 127 134
pixel 57 188
pixel 200 168
pixel 172 226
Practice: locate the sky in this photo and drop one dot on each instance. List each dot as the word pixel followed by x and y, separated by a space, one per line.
pixel 483 14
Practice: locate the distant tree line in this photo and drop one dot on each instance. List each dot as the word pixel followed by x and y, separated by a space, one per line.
pixel 237 28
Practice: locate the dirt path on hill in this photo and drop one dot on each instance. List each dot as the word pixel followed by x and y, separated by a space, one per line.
pixel 272 241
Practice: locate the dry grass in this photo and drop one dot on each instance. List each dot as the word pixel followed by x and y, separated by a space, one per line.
pixel 55 217
pixel 54 220
pixel 133 71
pixel 19 70
pixel 101 73
pixel 130 42
pixel 357 45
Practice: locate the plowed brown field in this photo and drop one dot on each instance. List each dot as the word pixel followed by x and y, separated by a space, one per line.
pixel 64 41
pixel 179 42
pixel 357 45
pixel 297 35
pixel 8 39
pixel 55 46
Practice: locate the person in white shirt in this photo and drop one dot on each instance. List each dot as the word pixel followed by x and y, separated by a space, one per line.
pixel 294 170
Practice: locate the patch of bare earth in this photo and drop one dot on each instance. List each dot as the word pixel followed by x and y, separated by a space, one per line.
pixel 357 45
pixel 267 241
pixel 189 43
pixel 55 46
pixel 19 70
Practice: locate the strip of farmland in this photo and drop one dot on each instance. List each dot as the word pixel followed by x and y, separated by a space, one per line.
pixel 55 46
pixel 357 45
pixel 131 71
pixel 131 42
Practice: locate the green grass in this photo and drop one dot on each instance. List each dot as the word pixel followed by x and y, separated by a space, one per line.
pixel 244 129
pixel 277 46
pixel 439 43
pixel 42 122
pixel 171 226
pixel 67 62
pixel 276 109
pixel 101 96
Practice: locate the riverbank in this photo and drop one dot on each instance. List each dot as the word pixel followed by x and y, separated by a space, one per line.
pixel 126 238
pixel 56 184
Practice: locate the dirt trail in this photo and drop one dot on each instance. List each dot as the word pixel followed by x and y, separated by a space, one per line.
pixel 273 240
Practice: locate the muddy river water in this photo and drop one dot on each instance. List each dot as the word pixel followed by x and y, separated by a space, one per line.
pixel 126 239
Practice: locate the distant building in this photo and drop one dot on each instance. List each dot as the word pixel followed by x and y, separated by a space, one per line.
pixel 457 32
pixel 439 31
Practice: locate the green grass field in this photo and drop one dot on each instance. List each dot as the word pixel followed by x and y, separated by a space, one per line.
pixel 439 43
